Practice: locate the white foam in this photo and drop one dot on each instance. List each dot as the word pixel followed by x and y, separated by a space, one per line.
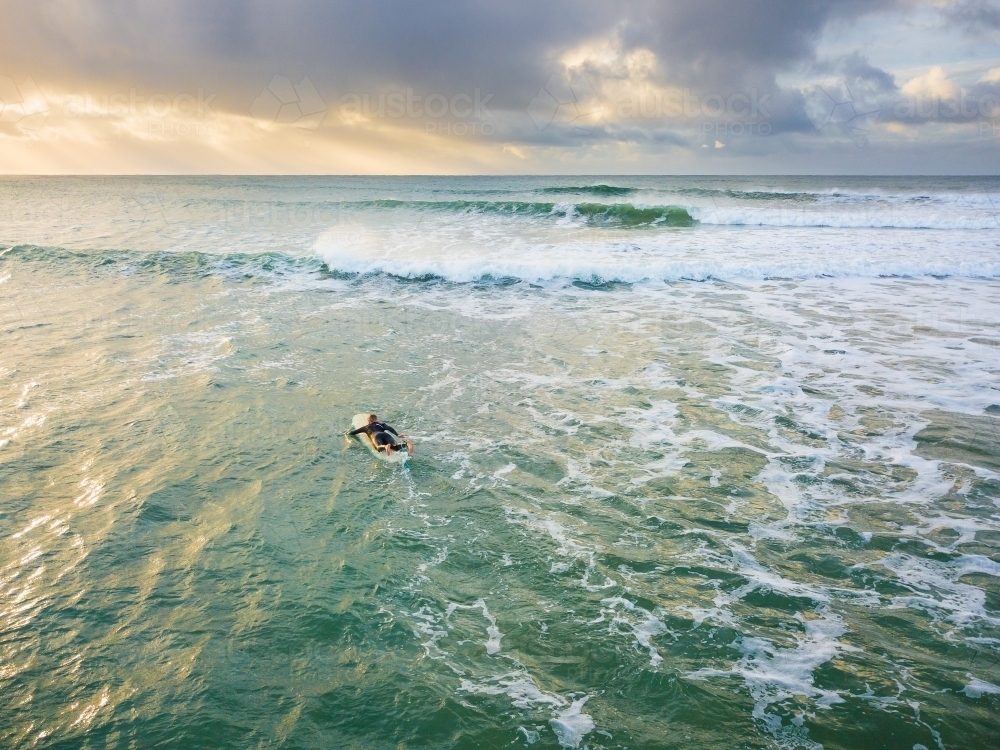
pixel 492 631
pixel 568 546
pixel 936 588
pixel 774 673
pixel 577 479
pixel 531 736
pixel 977 688
pixel 572 725
pixel 569 722
pixel 439 557
pixel 500 473
pixel 826 215
pixel 644 630
pixel 519 686
pixel 429 624
pixel 467 248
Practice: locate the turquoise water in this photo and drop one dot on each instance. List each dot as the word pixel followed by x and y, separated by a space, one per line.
pixel 730 480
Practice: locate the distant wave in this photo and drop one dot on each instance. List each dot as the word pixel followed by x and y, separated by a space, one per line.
pixel 511 208
pixel 610 190
pixel 889 217
pixel 692 206
pixel 839 197
pixel 632 215
pixel 750 195
pixel 607 214
pixel 783 210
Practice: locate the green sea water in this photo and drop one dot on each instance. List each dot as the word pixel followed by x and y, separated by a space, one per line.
pixel 752 511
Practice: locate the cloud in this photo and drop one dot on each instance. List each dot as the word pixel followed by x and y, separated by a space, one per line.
pixel 275 79
pixel 857 66
pixel 720 39
pixel 22 106
pixel 975 16
pixel 934 84
pixel 235 47
pixel 282 101
pixel 849 107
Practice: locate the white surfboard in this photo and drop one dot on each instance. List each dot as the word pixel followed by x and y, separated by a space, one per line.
pixel 393 457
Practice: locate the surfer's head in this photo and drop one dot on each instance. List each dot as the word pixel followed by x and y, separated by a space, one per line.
pixel 372 418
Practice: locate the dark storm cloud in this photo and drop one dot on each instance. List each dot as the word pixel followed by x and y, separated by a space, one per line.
pixel 231 49
pixel 728 47
pixel 507 49
pixel 235 47
pixel 976 16
pixel 718 41
pixel 856 66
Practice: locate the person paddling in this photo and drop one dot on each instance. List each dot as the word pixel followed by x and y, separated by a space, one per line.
pixel 383 436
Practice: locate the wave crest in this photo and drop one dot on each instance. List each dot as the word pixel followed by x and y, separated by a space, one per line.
pixel 628 215
pixel 605 214
pixel 610 190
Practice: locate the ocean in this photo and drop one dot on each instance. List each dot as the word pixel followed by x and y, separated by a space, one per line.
pixel 700 462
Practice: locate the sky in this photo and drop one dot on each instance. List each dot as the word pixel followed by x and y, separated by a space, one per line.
pixel 513 87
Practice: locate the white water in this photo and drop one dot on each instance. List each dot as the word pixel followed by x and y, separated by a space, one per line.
pixel 628 501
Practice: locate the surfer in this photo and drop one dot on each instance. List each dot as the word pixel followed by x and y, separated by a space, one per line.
pixel 383 436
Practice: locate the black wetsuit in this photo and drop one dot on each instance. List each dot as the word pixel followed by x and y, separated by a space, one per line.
pixel 380 434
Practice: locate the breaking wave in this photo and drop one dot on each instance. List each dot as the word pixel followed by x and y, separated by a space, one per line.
pixel 608 214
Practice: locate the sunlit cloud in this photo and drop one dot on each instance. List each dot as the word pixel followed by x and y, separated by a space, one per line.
pixel 668 86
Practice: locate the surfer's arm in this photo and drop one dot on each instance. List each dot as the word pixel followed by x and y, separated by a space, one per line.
pixel 358 431
pixel 390 429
